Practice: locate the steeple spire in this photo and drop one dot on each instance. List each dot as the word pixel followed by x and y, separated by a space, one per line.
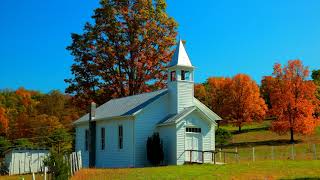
pixel 180 57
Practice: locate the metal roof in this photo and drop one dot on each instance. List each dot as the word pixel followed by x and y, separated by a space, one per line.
pixel 180 56
pixel 125 106
pixel 174 118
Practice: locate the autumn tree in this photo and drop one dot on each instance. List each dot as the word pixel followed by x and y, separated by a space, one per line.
pixel 4 122
pixel 124 52
pixel 244 100
pixel 292 99
pixel 316 79
pixel 218 91
pixel 200 93
pixel 237 100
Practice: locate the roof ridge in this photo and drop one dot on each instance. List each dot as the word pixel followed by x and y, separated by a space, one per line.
pixel 138 94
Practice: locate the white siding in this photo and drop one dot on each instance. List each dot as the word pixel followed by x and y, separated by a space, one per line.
pixel 145 125
pixel 112 156
pixel 207 130
pixel 185 94
pixel 80 143
pixel 180 128
pixel 173 98
pixel 169 140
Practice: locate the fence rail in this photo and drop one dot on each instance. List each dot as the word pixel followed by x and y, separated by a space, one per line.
pixel 269 152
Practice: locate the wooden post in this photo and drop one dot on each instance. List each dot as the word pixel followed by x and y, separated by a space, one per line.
pixel 253 155
pixel 45 173
pixel 237 155
pixel 272 152
pixel 220 155
pixel 202 157
pixel 292 151
pixel 70 160
pixel 214 157
pixel 314 152
pixel 79 159
pixel 33 176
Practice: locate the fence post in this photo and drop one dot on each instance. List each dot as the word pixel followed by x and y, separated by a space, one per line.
pixel 237 155
pixel 45 173
pixel 272 152
pixel 292 151
pixel 220 155
pixel 70 160
pixel 314 152
pixel 253 155
pixel 79 159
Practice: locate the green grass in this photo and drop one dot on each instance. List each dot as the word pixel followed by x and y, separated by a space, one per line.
pixel 269 144
pixel 26 177
pixel 257 170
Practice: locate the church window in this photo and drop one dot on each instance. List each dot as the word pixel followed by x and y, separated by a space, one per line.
pixel 185 75
pixel 173 76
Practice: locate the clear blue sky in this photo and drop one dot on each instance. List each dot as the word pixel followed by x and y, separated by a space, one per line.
pixel 223 37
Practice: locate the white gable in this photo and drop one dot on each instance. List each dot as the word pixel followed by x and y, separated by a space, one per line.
pixel 180 57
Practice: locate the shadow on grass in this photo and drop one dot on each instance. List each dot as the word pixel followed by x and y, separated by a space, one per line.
pixel 303 178
pixel 277 142
pixel 249 130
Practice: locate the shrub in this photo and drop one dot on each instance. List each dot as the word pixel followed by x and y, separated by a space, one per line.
pixel 155 149
pixel 222 137
pixel 58 166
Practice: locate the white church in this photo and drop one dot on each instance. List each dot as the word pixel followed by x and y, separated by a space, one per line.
pixel 115 134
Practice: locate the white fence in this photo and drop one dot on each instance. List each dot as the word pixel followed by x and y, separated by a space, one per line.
pixel 75 162
pixel 24 161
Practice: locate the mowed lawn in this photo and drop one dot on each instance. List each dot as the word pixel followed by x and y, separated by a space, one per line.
pixel 258 170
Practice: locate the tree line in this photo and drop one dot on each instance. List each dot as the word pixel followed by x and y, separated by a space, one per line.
pixel 287 97
pixel 32 119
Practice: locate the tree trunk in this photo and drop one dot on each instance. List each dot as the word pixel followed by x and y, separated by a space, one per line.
pixel 291 136
pixel 239 128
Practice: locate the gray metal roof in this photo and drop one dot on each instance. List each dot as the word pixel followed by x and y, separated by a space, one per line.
pixel 172 118
pixel 125 106
pixel 206 110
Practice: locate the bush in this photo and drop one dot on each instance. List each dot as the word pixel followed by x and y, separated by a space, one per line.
pixel 222 137
pixel 58 166
pixel 155 149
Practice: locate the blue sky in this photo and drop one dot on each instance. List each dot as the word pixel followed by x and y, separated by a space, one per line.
pixel 224 37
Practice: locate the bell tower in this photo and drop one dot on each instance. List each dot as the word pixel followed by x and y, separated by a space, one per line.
pixel 180 80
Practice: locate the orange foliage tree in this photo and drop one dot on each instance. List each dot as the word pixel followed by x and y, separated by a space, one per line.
pixel 292 99
pixel 237 100
pixel 4 122
pixel 218 93
pixel 244 101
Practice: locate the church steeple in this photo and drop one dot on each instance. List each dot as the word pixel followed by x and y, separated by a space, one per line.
pixel 180 80
pixel 180 57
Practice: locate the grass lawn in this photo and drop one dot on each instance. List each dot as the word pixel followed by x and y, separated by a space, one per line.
pixel 269 144
pixel 26 177
pixel 258 170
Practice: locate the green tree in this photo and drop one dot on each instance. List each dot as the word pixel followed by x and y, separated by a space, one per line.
pixel 155 153
pixel 23 143
pixel 222 137
pixel 4 145
pixel 58 166
pixel 316 79
pixel 124 52
pixel 60 140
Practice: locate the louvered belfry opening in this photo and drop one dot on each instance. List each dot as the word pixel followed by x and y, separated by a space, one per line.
pixel 92 134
